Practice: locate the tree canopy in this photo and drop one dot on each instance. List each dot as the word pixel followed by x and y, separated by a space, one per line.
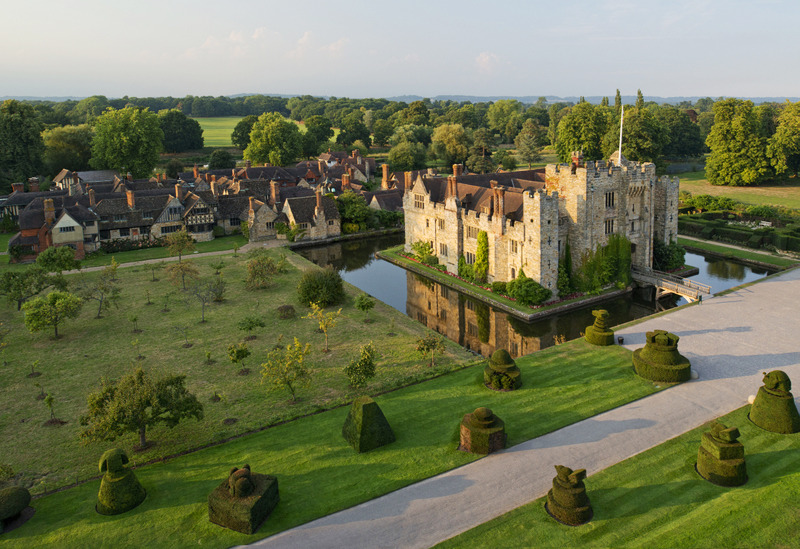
pixel 181 133
pixel 582 129
pixel 783 147
pixel 127 140
pixel 275 140
pixel 21 145
pixel 51 310
pixel 450 143
pixel 738 150
pixel 240 137
pixel 67 147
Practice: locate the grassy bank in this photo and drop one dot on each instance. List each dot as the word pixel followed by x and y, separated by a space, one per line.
pixel 786 193
pixel 656 499
pixel 318 473
pixel 736 253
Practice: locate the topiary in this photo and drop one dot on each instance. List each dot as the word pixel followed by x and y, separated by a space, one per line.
pixel 285 312
pixel 599 333
pixel 659 359
pixel 13 501
pixel 321 286
pixel 773 408
pixel 482 432
pixel 365 427
pixel 567 501
pixel 243 501
pixel 720 459
pixel 120 490
pixel 502 372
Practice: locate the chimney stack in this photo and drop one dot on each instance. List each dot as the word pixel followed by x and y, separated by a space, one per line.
pixel 18 187
pixel 195 172
pixel 318 209
pixel 501 201
pixel 275 192
pixel 131 200
pixel 247 164
pixel 385 179
pixel 457 170
pixel 346 182
pixel 213 178
pixel 49 211
pixel 33 184
pixel 452 189
pixel 321 166
pixel 252 206
pixel 408 180
pixel 178 191
pixel 214 188
pixel 92 200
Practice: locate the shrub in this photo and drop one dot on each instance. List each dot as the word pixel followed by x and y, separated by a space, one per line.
pixel 285 312
pixel 366 427
pixel 527 291
pixel 13 501
pixel 322 286
pixel 120 490
pixel 774 408
pixel 243 510
pixel 567 501
pixel 360 371
pixel 218 231
pixel 499 288
pixel 481 267
pixel 465 270
pixel 421 250
pixel 350 228
pixel 659 359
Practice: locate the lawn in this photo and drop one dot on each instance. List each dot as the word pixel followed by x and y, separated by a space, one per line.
pixel 786 193
pixel 656 499
pixel 319 474
pixel 91 348
pixel 217 130
pixel 736 253
pixel 4 238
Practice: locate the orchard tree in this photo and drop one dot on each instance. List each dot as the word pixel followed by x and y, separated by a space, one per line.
pixel 67 147
pixel 237 355
pixel 21 145
pixel 20 286
pixel 275 140
pixel 137 402
pixel 57 259
pixel 250 323
pixel 179 272
pixel 326 321
pixel 430 345
pixel 450 143
pixel 127 140
pixel 241 132
pixel 179 243
pixel 51 310
pixel 738 151
pixel 285 368
pixel 365 304
pixel 360 371
pixel 181 133
pixel 103 289
pixel 783 147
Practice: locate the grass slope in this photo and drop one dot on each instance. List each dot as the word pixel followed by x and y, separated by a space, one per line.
pixel 318 473
pixel 90 348
pixel 737 253
pixel 656 499
pixel 786 193
pixel 217 130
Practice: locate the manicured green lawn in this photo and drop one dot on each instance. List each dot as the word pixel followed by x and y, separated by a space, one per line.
pixel 656 499
pixel 786 193
pixel 90 348
pixel 4 238
pixel 217 130
pixel 319 474
pixel 735 253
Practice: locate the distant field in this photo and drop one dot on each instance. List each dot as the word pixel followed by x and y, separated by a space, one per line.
pixel 217 130
pixel 784 194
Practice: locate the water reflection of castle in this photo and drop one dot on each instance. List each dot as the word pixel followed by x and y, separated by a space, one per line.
pixel 483 329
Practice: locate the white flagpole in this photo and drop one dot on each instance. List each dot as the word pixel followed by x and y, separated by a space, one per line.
pixel 621 120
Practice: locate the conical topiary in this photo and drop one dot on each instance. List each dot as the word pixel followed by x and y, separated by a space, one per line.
pixel 599 333
pixel 567 501
pixel 659 359
pixel 482 432
pixel 720 459
pixel 120 490
pixel 366 428
pixel 774 408
pixel 502 372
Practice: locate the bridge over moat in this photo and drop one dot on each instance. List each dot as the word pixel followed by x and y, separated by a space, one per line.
pixel 666 283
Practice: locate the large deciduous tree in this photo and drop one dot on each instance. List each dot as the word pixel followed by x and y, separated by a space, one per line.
pixel 179 243
pixel 21 145
pixel 353 129
pixel 783 147
pixel 181 133
pixel 318 131
pixel 738 150
pixel 450 143
pixel 240 137
pixel 51 310
pixel 135 403
pixel 275 140
pixel 406 156
pixel 128 140
pixel 582 129
pixel 643 136
pixel 67 147
pixel 505 117
pixel 685 137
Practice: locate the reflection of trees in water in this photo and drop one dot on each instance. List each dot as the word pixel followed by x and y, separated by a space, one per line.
pixel 725 269
pixel 351 255
pixel 482 313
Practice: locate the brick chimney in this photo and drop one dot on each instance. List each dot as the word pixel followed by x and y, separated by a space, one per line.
pixel 321 166
pixel 408 179
pixel 178 191
pixel 457 170
pixel 351 172
pixel 195 172
pixel 346 181
pixel 274 192
pixel 214 188
pixel 452 186
pixel 318 209
pixel 385 177
pixel 18 187
pixel 247 164
pixel 501 201
pixel 252 206
pixel 33 184
pixel 213 178
pixel 92 200
pixel 131 200
pixel 49 211
pixel 354 154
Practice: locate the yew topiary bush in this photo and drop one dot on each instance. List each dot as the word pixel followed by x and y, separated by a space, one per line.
pixel 567 501
pixel 774 408
pixel 366 428
pixel 599 333
pixel 659 359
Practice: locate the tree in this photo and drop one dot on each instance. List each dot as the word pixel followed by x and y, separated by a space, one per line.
pixel 582 129
pixel 360 371
pixel 505 160
pixel 102 289
pixel 57 259
pixel 639 99
pixel 155 267
pixel 250 323
pixel 20 286
pixel 237 354
pixel 451 143
pixel 318 131
pixel 260 270
pixel 88 109
pixel 352 129
pixel 181 133
pixel 738 152
pixel 381 131
pixel 174 168
pixel 67 147
pixel 135 403
pixel 204 292
pixel 432 345
pixel 502 112
pixel 685 137
pixel 618 102
pixel 643 137
pixel 416 113
pixel 529 142
pixel 221 160
pixel 241 132
pixel 783 148
pixel 481 265
pixel 178 272
pixel 49 401
pixel 364 303
pixel 51 311
pixel 127 140
pixel 285 368
pixel 480 159
pixel 275 140
pixel 353 208
pixel 407 156
pixel 179 243
pixel 326 321
pixel 21 145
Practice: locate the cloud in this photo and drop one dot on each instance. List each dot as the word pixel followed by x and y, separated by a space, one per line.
pixel 302 46
pixel 486 62
pixel 335 48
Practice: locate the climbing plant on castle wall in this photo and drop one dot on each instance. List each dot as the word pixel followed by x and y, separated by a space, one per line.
pixel 607 264
pixel 481 266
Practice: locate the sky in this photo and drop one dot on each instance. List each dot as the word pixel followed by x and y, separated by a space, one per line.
pixel 384 49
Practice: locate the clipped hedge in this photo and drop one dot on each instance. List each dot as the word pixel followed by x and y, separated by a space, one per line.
pixel 599 333
pixel 774 408
pixel 567 501
pixel 365 427
pixel 243 510
pixel 720 459
pixel 659 359
pixel 502 373
pixel 13 501
pixel 482 432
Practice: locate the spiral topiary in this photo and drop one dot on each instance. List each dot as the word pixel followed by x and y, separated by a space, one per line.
pixel 120 490
pixel 599 333
pixel 366 428
pixel 243 501
pixel 659 359
pixel 567 501
pixel 774 408
pixel 502 372
pixel 720 459
pixel 13 500
pixel 482 432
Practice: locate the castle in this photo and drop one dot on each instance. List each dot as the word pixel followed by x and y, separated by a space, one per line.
pixel 531 215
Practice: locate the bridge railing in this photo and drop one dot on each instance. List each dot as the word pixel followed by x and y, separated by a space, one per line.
pixel 655 277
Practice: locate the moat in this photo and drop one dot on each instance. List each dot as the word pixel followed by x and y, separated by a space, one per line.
pixel 480 327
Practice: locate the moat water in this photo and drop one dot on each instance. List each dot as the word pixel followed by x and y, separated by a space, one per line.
pixel 480 327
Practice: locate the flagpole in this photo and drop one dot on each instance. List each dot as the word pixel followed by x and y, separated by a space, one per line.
pixel 621 120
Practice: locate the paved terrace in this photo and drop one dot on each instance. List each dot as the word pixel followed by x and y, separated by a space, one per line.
pixel 730 340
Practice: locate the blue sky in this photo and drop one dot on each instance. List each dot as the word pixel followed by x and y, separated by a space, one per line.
pixel 380 49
